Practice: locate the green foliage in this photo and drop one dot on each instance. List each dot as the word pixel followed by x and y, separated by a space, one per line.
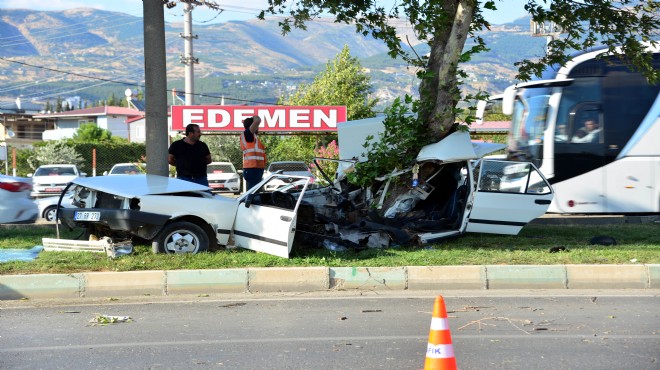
pixel 54 152
pixel 397 147
pixel 289 148
pixel 344 82
pixel 225 149
pixel 91 133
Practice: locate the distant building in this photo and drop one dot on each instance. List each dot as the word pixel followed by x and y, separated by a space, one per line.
pixel 18 125
pixel 113 119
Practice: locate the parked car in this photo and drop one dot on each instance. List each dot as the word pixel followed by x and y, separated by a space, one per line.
pixel 15 203
pixel 295 168
pixel 49 180
pixel 126 169
pixel 48 205
pixel 457 193
pixel 223 177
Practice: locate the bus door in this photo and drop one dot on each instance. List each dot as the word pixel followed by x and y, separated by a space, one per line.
pixel 579 156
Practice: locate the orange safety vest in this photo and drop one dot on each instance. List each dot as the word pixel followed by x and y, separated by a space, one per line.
pixel 254 153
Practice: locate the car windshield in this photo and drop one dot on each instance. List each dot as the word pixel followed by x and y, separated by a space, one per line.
pixel 288 167
pixel 54 171
pixel 220 168
pixel 129 169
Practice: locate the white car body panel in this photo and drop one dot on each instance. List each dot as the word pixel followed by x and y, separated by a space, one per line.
pixel 138 185
pixel 265 228
pixel 506 208
pixel 218 211
pixel 457 147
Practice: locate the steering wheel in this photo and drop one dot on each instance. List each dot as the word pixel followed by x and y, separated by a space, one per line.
pixel 283 200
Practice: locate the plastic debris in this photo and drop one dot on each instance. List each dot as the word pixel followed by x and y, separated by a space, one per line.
pixel 8 255
pixel 100 319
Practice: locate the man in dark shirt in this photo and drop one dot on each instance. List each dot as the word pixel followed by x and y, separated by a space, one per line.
pixel 190 156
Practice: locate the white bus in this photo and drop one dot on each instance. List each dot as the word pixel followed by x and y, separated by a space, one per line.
pixel 593 129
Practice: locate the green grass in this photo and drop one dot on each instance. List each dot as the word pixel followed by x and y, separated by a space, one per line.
pixel 637 242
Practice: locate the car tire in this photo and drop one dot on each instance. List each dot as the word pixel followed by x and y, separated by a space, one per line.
pixel 50 213
pixel 182 237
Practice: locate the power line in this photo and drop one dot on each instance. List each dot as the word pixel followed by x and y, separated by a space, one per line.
pixel 107 80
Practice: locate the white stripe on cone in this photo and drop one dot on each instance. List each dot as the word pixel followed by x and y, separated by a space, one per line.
pixel 439 324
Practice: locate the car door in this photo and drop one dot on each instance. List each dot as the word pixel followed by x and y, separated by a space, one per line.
pixel 507 196
pixel 266 220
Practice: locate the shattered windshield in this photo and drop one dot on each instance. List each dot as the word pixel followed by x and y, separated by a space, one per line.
pixel 528 123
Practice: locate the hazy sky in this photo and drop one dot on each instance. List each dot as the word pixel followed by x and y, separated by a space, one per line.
pixel 234 9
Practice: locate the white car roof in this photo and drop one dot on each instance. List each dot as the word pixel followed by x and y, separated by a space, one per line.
pixel 457 147
pixel 138 185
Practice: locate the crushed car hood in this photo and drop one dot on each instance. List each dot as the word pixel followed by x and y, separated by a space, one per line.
pixel 138 185
pixel 457 147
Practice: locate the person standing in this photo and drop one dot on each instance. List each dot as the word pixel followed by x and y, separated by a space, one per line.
pixel 190 156
pixel 254 152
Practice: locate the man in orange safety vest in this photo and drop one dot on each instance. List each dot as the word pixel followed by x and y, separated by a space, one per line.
pixel 254 152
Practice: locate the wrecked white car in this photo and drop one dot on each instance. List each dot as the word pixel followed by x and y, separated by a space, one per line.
pixel 457 191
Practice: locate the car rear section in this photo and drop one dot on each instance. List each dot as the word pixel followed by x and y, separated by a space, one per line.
pixel 15 203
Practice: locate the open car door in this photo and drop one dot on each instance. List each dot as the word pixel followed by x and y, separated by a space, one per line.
pixel 508 196
pixel 266 219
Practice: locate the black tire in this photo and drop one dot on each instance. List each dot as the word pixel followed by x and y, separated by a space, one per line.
pixel 50 213
pixel 182 237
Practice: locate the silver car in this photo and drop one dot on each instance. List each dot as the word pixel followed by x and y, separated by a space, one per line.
pixel 15 203
pixel 48 206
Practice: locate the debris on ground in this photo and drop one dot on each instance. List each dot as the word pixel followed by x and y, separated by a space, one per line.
pixel 9 255
pixel 102 320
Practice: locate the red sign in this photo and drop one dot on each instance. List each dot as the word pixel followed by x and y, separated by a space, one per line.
pixel 273 118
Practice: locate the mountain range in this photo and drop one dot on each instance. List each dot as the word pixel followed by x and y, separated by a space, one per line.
pixel 93 53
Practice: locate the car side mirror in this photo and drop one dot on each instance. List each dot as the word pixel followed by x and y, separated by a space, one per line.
pixel 105 173
pixel 83 174
pixel 240 172
pixel 248 200
pixel 29 175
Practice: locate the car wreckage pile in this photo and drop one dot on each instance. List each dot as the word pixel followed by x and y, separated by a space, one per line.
pixel 456 191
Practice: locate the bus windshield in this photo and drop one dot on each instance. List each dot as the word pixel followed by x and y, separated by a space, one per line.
pixel 528 123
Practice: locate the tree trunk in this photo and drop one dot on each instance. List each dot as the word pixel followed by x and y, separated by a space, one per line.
pixel 440 92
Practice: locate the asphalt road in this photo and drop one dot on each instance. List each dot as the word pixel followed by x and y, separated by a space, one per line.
pixel 613 329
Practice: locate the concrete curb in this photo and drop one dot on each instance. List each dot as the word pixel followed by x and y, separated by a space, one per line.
pixel 304 279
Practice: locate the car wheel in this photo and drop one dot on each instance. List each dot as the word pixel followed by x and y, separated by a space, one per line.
pixel 50 213
pixel 182 237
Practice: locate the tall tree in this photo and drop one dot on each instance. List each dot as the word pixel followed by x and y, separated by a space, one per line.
pixel 344 82
pixel 445 25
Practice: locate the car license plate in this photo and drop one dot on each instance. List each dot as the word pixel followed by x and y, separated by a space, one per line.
pixel 53 190
pixel 86 216
pixel 217 185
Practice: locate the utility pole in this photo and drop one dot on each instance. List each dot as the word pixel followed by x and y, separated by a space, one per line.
pixel 155 76
pixel 187 58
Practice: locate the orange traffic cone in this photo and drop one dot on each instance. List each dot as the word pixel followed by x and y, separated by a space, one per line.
pixel 440 351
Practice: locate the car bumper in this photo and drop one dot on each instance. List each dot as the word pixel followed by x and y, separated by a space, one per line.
pixel 142 224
